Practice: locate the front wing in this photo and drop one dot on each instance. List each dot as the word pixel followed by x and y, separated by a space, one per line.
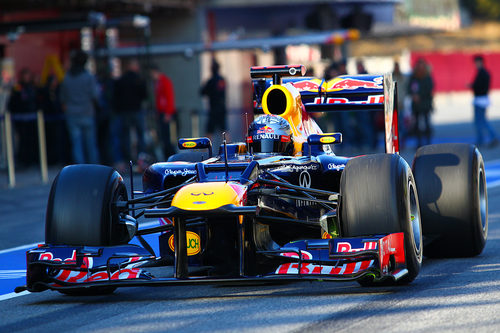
pixel 339 259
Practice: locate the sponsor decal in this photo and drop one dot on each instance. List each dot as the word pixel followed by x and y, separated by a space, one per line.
pixel 305 179
pixel 183 172
pixel 375 99
pixel 83 275
pixel 326 235
pixel 266 136
pixel 327 139
pixel 189 144
pixel 200 193
pixel 346 247
pixel 50 256
pixel 265 129
pixel 352 84
pixel 296 168
pixel 285 138
pixel 293 268
pixel 165 221
pixel 307 85
pixel 193 243
pixel 333 166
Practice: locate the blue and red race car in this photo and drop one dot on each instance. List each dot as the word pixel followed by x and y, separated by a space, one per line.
pixel 280 206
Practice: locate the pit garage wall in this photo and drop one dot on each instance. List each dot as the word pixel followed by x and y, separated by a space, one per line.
pixel 454 71
pixel 184 71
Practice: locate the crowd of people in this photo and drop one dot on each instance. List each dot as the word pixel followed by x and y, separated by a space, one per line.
pixel 90 119
pixel 415 107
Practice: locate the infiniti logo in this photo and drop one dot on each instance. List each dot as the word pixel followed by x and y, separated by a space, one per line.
pixel 305 179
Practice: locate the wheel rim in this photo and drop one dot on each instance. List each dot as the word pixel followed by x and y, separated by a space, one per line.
pixel 415 219
pixel 482 198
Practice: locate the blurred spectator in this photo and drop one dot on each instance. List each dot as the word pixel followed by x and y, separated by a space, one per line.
pixel 215 90
pixel 105 100
pixel 129 93
pixel 23 105
pixel 365 121
pixel 339 119
pixel 165 107
pixel 481 88
pixel 420 87
pixel 78 98
pixel 402 82
pixel 55 128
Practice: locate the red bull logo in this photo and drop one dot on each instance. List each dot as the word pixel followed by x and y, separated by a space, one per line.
pixel 307 85
pixel 265 129
pixel 375 99
pixel 352 84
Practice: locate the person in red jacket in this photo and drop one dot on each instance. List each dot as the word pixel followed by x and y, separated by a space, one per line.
pixel 165 107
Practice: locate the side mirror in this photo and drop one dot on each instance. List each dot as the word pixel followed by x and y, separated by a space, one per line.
pixel 196 143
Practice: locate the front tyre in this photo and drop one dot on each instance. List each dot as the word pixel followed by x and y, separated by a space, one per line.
pixel 379 196
pixel 81 210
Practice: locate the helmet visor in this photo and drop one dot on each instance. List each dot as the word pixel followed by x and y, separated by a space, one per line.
pixel 268 146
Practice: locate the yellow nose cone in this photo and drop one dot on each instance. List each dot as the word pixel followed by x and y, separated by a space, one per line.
pixel 205 196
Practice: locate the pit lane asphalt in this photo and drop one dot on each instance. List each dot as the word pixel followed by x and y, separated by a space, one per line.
pixel 449 295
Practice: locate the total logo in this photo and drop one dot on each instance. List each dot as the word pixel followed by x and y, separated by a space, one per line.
pixel 189 144
pixel 327 139
pixel 193 243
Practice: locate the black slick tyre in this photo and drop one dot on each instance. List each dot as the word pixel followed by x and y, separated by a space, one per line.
pixel 81 210
pixel 379 196
pixel 451 186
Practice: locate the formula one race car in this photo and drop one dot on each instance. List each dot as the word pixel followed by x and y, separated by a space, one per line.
pixel 281 206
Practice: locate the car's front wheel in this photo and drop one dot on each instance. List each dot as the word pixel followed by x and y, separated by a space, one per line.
pixel 82 209
pixel 379 196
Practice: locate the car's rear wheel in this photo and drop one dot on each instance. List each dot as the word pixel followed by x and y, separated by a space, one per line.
pixel 451 186
pixel 379 196
pixel 81 211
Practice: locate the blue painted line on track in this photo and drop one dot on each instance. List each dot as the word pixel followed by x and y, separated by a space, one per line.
pixel 13 261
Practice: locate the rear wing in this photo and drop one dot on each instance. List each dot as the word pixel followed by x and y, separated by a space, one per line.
pixel 354 93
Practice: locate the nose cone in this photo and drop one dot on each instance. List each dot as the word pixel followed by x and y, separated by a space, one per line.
pixel 205 196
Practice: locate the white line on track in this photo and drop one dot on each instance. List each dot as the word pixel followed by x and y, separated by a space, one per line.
pixel 493 164
pixel 12 295
pixel 22 247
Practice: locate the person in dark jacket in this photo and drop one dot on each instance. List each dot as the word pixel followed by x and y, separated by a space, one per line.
pixel 215 90
pixel 129 93
pixel 78 98
pixel 481 88
pixel 23 105
pixel 58 148
pixel 420 88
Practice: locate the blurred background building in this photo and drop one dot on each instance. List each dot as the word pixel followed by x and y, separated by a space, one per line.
pixel 182 37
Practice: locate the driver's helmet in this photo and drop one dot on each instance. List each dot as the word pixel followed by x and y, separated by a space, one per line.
pixel 270 134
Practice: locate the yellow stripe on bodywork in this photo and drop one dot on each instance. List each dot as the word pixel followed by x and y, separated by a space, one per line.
pixel 205 196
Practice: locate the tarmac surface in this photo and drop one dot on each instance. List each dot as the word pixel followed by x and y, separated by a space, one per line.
pixel 449 295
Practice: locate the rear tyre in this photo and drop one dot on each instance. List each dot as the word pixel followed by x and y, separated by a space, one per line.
pixel 451 186
pixel 378 196
pixel 81 210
